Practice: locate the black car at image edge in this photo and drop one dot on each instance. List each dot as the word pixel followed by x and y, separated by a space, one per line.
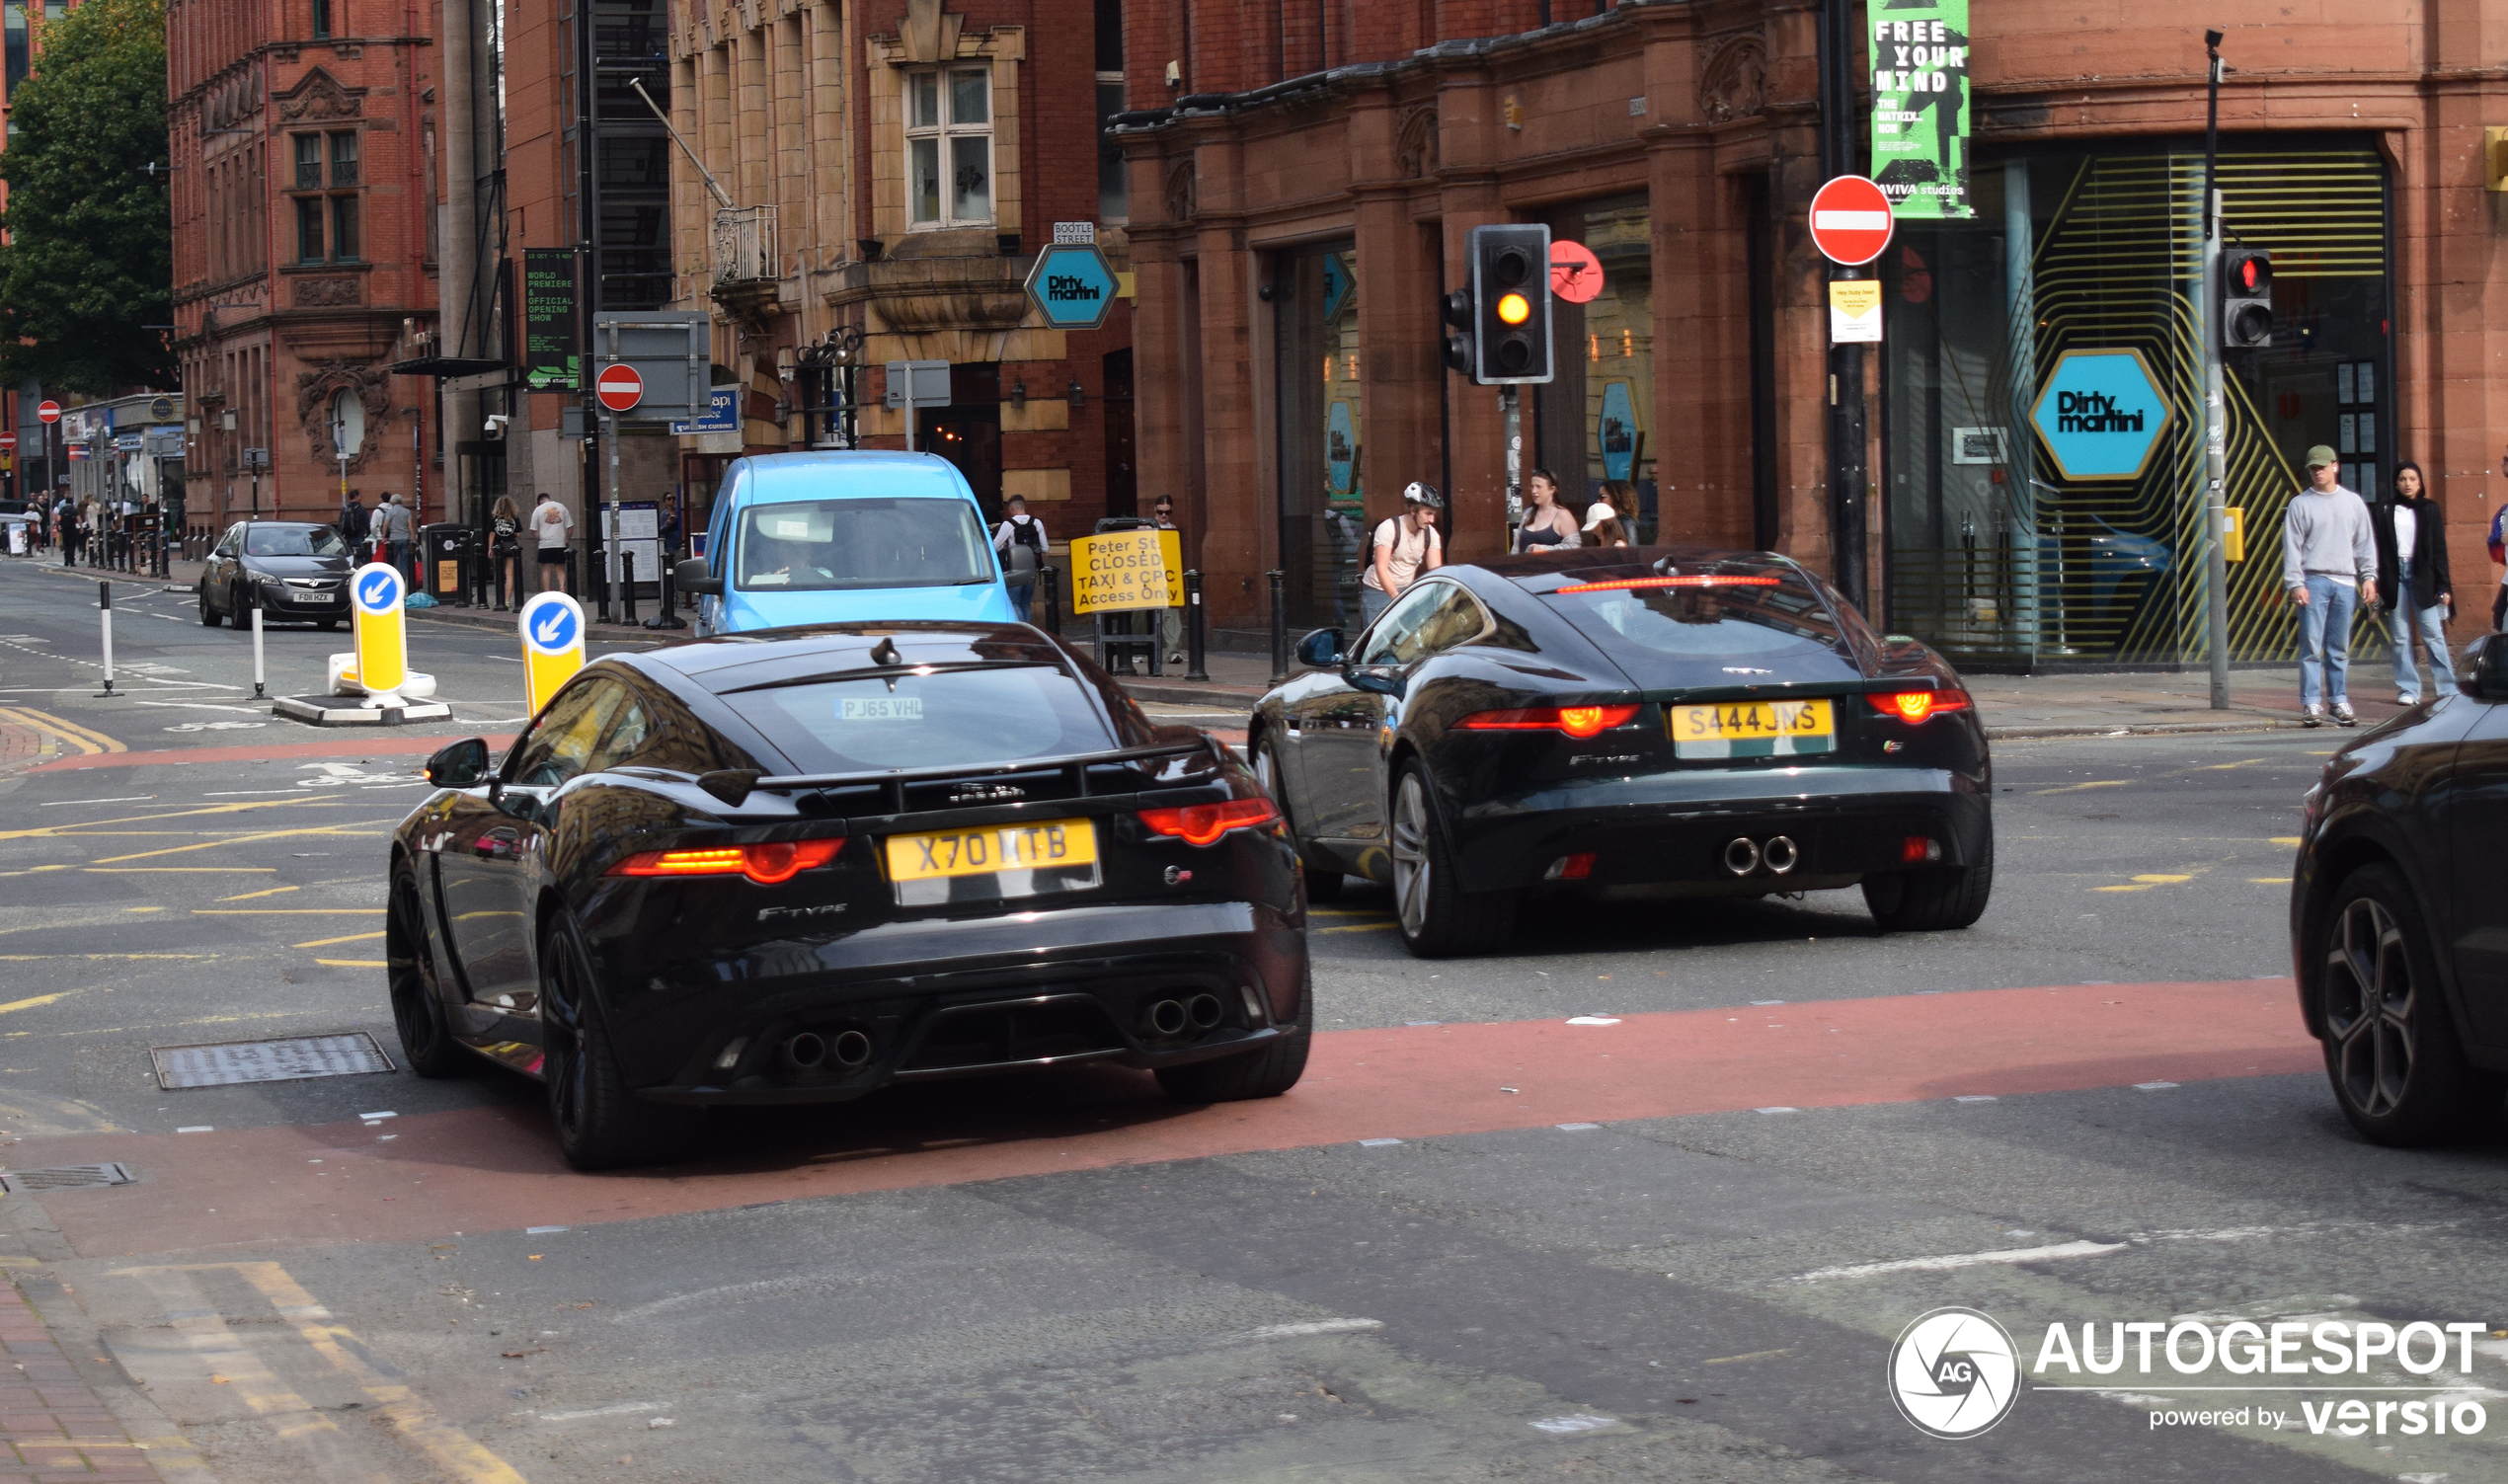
pixel 2398 917
pixel 797 865
pixel 1629 724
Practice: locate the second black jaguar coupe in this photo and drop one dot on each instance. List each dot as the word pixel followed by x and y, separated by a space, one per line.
pixel 1629 724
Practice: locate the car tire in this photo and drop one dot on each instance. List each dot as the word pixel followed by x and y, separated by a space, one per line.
pixel 1266 1072
pixel 1324 884
pixel 1931 901
pixel 330 623
pixel 426 1042
pixel 1437 917
pixel 2398 1070
pixel 208 615
pixel 600 1124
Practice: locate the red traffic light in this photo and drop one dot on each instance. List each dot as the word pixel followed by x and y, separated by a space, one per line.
pixel 2248 274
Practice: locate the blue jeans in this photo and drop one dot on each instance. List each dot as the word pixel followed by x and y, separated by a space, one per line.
pixel 2430 624
pixel 1022 598
pixel 2325 641
pixel 1370 603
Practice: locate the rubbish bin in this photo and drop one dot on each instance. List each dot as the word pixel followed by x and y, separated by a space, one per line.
pixel 447 552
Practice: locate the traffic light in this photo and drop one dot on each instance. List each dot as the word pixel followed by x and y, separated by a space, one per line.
pixel 2246 298
pixel 1457 312
pixel 1510 305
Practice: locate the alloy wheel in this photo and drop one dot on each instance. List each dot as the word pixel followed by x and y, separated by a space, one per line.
pixel 1410 854
pixel 406 970
pixel 2369 1006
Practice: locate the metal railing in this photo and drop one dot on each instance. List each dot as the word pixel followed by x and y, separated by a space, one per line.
pixel 743 244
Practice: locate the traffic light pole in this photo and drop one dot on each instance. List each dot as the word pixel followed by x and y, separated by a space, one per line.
pixel 1513 405
pixel 2216 419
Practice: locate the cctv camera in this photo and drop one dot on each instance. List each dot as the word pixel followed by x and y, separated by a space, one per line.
pixel 497 424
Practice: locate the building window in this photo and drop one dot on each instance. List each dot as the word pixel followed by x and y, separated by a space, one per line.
pixel 309 162
pixel 344 159
pixel 1114 192
pixel 949 146
pixel 343 229
pixel 321 19
pixel 309 229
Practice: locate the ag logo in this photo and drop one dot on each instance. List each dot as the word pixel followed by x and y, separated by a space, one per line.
pixel 1954 1373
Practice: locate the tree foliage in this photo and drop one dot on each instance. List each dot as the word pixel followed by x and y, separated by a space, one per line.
pixel 88 261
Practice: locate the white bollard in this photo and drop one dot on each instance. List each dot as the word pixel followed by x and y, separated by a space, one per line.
pixel 258 692
pixel 105 606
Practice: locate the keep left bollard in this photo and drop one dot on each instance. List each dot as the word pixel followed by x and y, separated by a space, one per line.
pixel 259 695
pixel 1194 638
pixel 105 606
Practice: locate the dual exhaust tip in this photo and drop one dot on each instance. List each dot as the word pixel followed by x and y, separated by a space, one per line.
pixel 1744 855
pixel 1170 1017
pixel 807 1050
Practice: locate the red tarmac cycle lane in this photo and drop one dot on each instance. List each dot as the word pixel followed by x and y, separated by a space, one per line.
pixel 367 745
pixel 492 1168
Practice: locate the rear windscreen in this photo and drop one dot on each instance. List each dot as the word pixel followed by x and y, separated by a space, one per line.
pixel 876 541
pixel 942 720
pixel 1681 624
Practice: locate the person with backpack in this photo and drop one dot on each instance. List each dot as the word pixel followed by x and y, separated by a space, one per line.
pixel 1021 540
pixel 2499 555
pixel 1404 547
pixel 353 522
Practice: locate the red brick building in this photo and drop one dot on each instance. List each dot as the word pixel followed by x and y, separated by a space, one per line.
pixel 302 138
pixel 1304 192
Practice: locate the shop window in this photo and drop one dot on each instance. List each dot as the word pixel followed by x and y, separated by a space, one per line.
pixel 1596 416
pixel 1322 491
pixel 949 146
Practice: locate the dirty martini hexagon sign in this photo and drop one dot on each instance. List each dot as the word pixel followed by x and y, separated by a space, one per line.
pixel 2101 413
pixel 1072 286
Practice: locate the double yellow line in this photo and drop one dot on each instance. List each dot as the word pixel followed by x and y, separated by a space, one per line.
pixel 82 743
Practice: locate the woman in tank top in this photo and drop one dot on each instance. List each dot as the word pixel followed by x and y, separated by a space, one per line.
pixel 1547 524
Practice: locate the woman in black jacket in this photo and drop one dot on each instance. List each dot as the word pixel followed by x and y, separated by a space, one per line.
pixel 2413 582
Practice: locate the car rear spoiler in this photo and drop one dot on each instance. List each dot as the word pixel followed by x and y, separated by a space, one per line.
pixel 733 785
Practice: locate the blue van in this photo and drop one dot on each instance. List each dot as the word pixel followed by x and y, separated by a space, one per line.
pixel 840 537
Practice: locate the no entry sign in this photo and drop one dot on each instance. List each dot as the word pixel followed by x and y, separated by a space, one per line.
pixel 1850 221
pixel 47 412
pixel 8 440
pixel 619 388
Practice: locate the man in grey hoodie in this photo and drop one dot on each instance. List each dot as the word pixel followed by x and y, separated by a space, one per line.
pixel 2329 568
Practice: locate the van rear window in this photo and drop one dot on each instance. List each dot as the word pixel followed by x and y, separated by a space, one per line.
pixel 876 541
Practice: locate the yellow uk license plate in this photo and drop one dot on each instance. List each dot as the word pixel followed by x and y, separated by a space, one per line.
pixel 1045 845
pixel 1752 729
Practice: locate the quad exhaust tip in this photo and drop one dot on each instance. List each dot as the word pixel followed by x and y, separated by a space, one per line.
pixel 1780 855
pixel 807 1050
pixel 1168 1017
pixel 1204 1011
pixel 1744 855
pixel 1741 855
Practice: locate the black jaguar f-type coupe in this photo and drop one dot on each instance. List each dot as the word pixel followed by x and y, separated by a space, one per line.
pixel 797 865
pixel 1629 724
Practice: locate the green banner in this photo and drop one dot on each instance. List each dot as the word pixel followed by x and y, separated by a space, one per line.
pixel 1919 106
pixel 551 326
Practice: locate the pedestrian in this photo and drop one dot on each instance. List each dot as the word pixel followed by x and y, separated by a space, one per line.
pixel 1405 546
pixel 1606 522
pixel 65 520
pixel 1622 497
pixel 394 525
pixel 2412 575
pixel 1170 620
pixel 2499 554
pixel 505 548
pixel 2329 568
pixel 1021 541
pixel 353 522
pixel 553 525
pixel 1547 524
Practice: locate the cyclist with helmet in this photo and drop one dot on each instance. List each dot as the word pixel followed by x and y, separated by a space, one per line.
pixel 1405 546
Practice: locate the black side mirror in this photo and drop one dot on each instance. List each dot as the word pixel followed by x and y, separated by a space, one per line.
pixel 1321 649
pixel 459 765
pixel 2486 663
pixel 695 575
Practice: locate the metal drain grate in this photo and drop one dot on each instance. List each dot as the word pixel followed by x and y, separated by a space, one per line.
pixel 230 1062
pixel 67 1177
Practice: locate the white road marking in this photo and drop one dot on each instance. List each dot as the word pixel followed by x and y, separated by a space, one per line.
pixel 1965 1260
pixel 1315 1327
pixel 124 799
pixel 623 1409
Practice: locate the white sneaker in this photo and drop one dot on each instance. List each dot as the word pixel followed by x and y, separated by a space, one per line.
pixel 2314 716
pixel 2344 715
pixel 2408 700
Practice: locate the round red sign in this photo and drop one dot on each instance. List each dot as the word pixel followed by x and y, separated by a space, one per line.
pixel 619 387
pixel 1576 274
pixel 1850 221
pixel 8 440
pixel 49 411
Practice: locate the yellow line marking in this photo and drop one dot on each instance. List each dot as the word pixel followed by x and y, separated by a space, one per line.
pixel 330 830
pixel 2270 881
pixel 144 909
pixel 223 1356
pixel 2145 882
pixel 41 999
pixel 74 829
pixel 2285 839
pixel 178 870
pixel 351 938
pixel 1756 1355
pixel 284 912
pixel 2074 788
pixel 1359 927
pixel 2223 767
pixel 89 744
pixel 269 892
pixel 354 963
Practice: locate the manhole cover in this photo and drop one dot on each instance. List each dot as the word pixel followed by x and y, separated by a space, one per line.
pixel 68 1177
pixel 229 1061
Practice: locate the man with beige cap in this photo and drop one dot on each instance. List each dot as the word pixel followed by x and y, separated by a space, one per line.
pixel 2329 568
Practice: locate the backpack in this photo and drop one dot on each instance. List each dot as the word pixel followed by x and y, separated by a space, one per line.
pixel 353 523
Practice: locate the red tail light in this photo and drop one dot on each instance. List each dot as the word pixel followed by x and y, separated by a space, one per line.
pixel 1204 824
pixel 1917 705
pixel 768 865
pixel 1575 721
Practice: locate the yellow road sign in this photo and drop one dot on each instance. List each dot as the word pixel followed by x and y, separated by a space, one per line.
pixel 551 647
pixel 1123 571
pixel 375 592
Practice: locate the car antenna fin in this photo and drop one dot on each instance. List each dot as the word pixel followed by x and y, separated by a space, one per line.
pixel 885 654
pixel 730 785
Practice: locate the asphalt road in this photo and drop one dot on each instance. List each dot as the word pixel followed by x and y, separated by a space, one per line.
pixel 1480 1242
